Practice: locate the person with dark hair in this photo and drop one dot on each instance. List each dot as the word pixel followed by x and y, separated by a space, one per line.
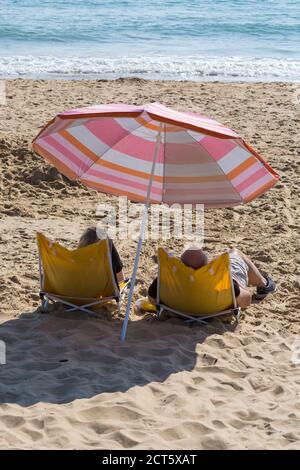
pixel 93 235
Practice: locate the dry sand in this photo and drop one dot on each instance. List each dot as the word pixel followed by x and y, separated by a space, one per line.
pixel 68 382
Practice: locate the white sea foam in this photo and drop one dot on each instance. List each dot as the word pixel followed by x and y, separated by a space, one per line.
pixel 176 68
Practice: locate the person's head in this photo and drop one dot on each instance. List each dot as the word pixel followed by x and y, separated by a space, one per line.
pixel 89 237
pixel 194 258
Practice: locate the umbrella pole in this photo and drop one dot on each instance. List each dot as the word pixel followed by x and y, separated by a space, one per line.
pixel 141 237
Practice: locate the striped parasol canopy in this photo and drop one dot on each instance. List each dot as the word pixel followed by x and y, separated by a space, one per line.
pixel 111 148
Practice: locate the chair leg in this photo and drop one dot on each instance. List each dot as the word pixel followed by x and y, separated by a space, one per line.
pixel 236 314
pixel 193 321
pixel 45 303
pixel 159 312
pixel 82 309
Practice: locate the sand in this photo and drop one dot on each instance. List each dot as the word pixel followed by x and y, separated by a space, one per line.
pixel 68 382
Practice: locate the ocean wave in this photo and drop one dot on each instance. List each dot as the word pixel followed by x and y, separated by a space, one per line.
pixel 175 68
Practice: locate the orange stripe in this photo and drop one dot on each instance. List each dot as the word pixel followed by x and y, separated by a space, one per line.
pixel 118 192
pixel 261 190
pixel 242 167
pixel 194 179
pixel 145 123
pixel 54 161
pixel 260 158
pixel 155 127
pixel 79 145
pixel 128 171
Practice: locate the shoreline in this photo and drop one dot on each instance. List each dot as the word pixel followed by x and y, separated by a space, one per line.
pixel 153 67
pixel 140 78
pixel 137 78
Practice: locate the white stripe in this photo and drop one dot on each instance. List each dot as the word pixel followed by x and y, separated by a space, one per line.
pixel 88 139
pixel 233 159
pixel 129 124
pixel 132 163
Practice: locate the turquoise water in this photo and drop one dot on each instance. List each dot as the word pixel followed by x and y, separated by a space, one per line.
pixel 187 39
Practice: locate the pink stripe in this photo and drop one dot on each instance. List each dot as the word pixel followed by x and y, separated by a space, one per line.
pixel 160 110
pixel 77 162
pixel 58 155
pixel 74 150
pixel 108 130
pixel 123 187
pixel 117 179
pixel 249 181
pixel 217 148
pixel 250 171
pixel 137 147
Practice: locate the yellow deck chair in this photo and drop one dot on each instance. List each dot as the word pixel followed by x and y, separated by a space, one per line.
pixel 196 295
pixel 81 279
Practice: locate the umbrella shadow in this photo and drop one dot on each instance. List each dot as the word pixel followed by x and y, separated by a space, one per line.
pixel 60 357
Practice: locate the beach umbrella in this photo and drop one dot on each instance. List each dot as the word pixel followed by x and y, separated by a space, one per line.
pixel 154 154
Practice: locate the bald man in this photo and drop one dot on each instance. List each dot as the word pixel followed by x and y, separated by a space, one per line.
pixel 243 271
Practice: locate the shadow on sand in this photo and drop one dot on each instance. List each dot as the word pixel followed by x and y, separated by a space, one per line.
pixel 60 357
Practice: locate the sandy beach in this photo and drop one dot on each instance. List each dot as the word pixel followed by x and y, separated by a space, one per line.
pixel 68 382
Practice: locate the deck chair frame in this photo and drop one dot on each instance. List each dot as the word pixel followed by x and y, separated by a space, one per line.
pixel 46 297
pixel 235 310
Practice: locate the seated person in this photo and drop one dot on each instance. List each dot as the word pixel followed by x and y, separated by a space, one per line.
pixel 90 236
pixel 243 271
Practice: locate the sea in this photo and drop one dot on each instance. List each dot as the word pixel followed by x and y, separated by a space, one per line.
pixel 201 40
